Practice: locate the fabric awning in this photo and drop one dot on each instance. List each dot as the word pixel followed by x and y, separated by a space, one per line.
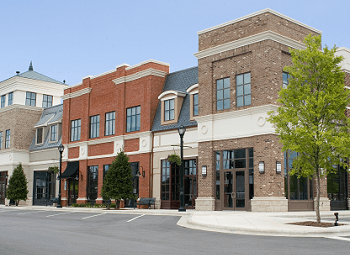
pixel 71 170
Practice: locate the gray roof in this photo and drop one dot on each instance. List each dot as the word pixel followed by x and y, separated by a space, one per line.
pixel 31 74
pixel 178 81
pixel 49 116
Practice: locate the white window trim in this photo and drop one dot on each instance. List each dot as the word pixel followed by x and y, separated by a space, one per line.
pixel 42 136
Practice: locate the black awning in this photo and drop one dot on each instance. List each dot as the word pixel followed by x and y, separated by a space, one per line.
pixel 71 170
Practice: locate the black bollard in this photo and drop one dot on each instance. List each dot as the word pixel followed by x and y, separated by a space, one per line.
pixel 336 219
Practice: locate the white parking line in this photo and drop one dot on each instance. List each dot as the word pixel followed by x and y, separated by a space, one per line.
pixel 58 214
pixel 91 216
pixel 136 217
pixel 340 238
pixel 30 212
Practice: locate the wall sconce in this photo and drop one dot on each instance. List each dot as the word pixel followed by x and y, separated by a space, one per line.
pixel 204 171
pixel 261 167
pixel 142 172
pixel 278 167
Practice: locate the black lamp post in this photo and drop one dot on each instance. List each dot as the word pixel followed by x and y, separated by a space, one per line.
pixel 60 149
pixel 182 131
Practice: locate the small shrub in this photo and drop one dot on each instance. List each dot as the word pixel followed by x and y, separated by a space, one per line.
pixel 75 205
pixel 82 205
pixel 96 206
pixel 104 205
pixel 113 205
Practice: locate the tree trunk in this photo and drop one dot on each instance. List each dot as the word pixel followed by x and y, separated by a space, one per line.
pixel 318 191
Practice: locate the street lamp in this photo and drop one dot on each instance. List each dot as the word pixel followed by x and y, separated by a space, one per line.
pixel 60 149
pixel 182 131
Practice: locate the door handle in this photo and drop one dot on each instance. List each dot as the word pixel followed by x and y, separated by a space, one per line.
pixel 233 194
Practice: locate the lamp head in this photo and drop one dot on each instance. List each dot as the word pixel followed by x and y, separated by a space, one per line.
pixel 181 130
pixel 61 148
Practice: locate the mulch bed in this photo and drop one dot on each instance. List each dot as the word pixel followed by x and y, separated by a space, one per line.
pixel 315 224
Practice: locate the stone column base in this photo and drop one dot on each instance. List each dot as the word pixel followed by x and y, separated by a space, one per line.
pixel 269 204
pixel 325 204
pixel 205 204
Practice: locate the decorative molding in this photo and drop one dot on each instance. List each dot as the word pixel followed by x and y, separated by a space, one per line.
pixel 77 93
pixel 171 92
pixel 19 106
pixel 118 66
pixel 267 35
pixel 139 75
pixel 43 162
pixel 193 89
pixel 146 62
pixel 267 10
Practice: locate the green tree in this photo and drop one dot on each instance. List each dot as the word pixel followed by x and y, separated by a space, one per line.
pixel 17 189
pixel 311 118
pixel 118 182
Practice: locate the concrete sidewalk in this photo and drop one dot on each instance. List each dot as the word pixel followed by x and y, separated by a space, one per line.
pixel 235 222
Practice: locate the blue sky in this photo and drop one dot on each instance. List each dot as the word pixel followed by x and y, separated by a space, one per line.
pixel 67 40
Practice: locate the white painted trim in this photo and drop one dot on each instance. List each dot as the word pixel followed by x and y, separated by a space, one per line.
pixel 139 75
pixel 43 162
pixel 255 14
pixel 118 66
pixel 267 35
pixel 146 62
pixel 77 93
pixel 76 85
pixel 169 92
pixel 235 114
pixel 45 124
pixel 171 148
pixel 86 77
pixel 16 106
pixel 194 86
pixel 40 151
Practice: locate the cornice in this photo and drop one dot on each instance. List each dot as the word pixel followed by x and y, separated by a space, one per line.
pixel 146 62
pixel 19 106
pixel 77 93
pixel 139 75
pixel 191 88
pixel 235 114
pixel 267 10
pixel 267 35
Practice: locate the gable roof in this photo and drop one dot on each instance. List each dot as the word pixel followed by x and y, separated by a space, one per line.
pixel 179 81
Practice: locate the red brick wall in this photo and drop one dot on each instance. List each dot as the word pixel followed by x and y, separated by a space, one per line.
pixel 131 145
pixel 101 149
pixel 73 152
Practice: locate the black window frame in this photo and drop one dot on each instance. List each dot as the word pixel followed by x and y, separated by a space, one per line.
pixel 3 101
pixel 53 135
pixel 92 184
pixel 75 130
pixel 110 123
pixel 46 102
pixel 30 98
pixel 169 109
pixel 95 126
pixel 244 85
pixel 39 135
pixel 195 104
pixel 8 139
pixel 223 94
pixel 10 98
pixel 133 119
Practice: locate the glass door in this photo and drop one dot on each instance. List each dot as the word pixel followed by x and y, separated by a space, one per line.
pixel 234 190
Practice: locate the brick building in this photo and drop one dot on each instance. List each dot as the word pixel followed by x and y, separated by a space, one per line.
pixel 102 115
pixel 23 98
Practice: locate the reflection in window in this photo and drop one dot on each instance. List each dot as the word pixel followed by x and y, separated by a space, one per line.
pixel 110 123
pixel 30 98
pixel 195 104
pixel 53 133
pixel 92 183
pixel 243 89
pixel 223 94
pixel 10 98
pixel 47 101
pixel 75 130
pixel 169 109
pixel 94 126
pixel 285 79
pixel 133 119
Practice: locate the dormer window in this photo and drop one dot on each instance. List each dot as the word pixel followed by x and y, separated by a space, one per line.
pixel 194 101
pixel 53 133
pixel 39 135
pixel 169 109
pixel 171 103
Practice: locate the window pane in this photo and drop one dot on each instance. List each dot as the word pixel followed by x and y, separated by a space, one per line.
pixel 219 105
pixel 247 78
pixel 247 89
pixel 219 84
pixel 195 99
pixel 227 83
pixel 239 79
pixel 172 114
pixel 172 104
pixel 247 100
pixel 239 101
pixel 226 93
pixel 227 104
pixel 166 105
pixel 239 90
pixel 219 95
